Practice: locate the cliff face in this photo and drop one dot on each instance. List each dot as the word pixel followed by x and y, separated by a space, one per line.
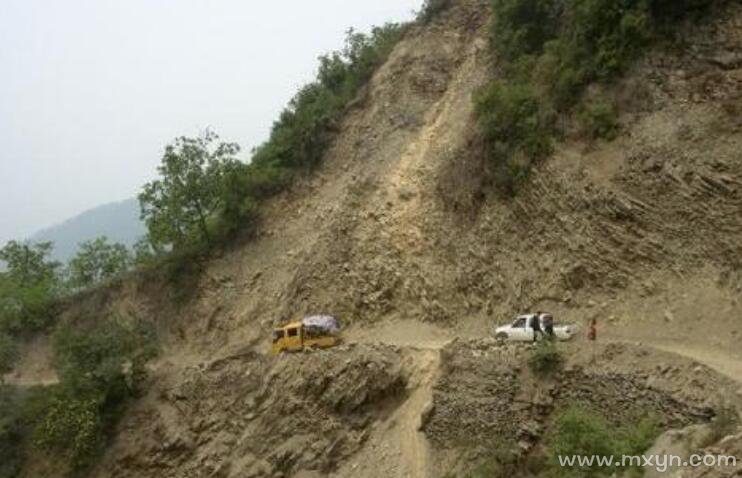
pixel 400 225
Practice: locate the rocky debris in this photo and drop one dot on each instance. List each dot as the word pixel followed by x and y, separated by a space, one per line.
pixel 657 208
pixel 294 412
pixel 693 440
pixel 485 393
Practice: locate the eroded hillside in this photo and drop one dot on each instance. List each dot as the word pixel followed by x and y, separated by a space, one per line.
pixel 401 225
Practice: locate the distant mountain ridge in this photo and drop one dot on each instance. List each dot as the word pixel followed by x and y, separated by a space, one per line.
pixel 119 221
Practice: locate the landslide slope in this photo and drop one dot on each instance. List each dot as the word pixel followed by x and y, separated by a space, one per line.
pixel 400 223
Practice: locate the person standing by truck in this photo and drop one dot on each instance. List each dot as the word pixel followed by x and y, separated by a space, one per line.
pixel 535 325
pixel 548 323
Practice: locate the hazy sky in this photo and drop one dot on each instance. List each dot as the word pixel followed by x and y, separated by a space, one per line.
pixel 91 90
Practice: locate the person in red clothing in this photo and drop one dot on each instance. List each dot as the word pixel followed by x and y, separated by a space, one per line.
pixel 592 330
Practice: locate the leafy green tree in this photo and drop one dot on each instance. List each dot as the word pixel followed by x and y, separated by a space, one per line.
pixel 27 287
pixel 144 252
pixel 29 264
pixel 100 367
pixel 306 127
pixel 178 207
pixel 98 260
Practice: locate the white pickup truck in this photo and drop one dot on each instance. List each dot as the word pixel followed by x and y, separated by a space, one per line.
pixel 519 331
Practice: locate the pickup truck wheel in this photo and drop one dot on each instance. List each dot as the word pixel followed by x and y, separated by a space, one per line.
pixel 501 337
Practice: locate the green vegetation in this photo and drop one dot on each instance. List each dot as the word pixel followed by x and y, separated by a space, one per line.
pixel 11 434
pixel 309 124
pixel 578 431
pixel 8 353
pixel 27 288
pixel 551 51
pixel 205 193
pixel 515 127
pixel 118 221
pixel 304 130
pixel 431 8
pixel 598 119
pixel 545 359
pixel 178 207
pixel 97 260
pixel 100 368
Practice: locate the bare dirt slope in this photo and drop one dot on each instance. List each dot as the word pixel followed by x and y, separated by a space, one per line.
pixel 401 235
pixel 398 225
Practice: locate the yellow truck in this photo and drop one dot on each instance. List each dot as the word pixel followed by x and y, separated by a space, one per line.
pixel 312 332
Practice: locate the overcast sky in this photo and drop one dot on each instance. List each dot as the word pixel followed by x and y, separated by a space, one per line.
pixel 91 90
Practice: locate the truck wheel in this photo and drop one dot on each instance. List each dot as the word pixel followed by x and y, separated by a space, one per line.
pixel 501 337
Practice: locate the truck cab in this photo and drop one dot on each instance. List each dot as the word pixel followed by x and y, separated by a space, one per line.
pixel 288 338
pixel 295 337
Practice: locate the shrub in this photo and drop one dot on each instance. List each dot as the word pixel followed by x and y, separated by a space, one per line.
pixel 28 287
pixel 8 354
pixel 581 432
pixel 305 128
pixel 431 8
pixel 554 49
pixel 515 128
pixel 512 111
pixel 545 359
pixel 206 194
pixel 522 27
pixel 11 435
pixel 102 357
pixel 599 119
pixel 99 368
pixel 72 426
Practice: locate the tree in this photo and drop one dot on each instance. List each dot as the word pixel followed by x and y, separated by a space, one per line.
pixel 144 252
pixel 28 286
pixel 98 260
pixel 178 207
pixel 28 264
pixel 100 367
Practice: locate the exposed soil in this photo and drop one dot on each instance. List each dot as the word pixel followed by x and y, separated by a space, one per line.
pixel 399 234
